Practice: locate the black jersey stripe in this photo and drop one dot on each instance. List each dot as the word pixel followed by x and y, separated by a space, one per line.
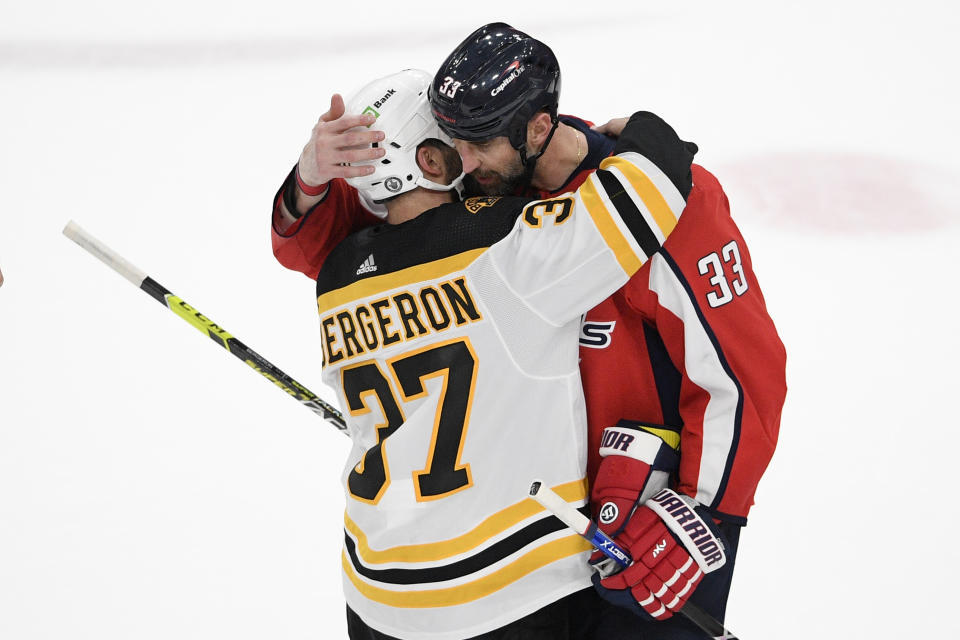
pixel 629 213
pixel 477 562
pixel 666 376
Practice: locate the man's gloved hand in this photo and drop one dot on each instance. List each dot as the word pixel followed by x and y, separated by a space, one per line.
pixel 674 543
pixel 635 464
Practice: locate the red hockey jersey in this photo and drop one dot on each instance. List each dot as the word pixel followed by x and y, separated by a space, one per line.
pixel 687 345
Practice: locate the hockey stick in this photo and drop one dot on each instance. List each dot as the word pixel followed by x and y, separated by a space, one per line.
pixel 254 360
pixel 589 530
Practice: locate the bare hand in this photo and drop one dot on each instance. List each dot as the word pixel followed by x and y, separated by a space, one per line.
pixel 336 139
pixel 612 128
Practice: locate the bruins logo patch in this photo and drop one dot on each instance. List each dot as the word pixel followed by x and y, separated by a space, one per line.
pixel 475 204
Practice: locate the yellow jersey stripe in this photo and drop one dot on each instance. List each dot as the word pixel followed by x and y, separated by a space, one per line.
pixel 470 591
pixel 629 261
pixel 378 284
pixel 662 214
pixel 493 525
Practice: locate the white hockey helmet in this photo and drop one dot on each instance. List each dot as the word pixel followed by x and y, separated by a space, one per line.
pixel 400 104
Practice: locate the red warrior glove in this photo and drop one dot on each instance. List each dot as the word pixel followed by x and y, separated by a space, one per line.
pixel 635 464
pixel 673 542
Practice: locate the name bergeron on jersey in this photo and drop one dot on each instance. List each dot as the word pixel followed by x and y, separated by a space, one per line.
pixel 402 316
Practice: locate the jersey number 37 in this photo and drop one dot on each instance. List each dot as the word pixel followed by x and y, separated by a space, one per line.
pixel 455 363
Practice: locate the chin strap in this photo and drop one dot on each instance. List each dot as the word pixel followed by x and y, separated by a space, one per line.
pixel 532 160
pixel 456 183
pixel 529 164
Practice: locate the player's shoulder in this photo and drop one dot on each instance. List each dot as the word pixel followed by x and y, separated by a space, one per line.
pixel 472 223
pixel 704 178
pixel 597 143
pixel 575 121
pixel 442 232
pixel 706 218
pixel 706 190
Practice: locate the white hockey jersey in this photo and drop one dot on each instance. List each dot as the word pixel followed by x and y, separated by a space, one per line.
pixel 452 343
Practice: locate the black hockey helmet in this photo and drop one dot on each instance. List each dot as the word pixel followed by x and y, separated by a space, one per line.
pixel 493 83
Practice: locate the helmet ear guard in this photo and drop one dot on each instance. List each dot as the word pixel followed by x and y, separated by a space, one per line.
pixel 399 102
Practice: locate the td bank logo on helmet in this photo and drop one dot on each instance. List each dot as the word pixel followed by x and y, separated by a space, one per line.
pixel 379 103
pixel 513 72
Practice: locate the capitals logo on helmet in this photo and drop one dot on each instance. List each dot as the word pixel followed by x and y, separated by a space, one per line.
pixel 399 102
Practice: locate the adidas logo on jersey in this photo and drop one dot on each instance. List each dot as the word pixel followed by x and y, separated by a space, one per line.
pixel 367 266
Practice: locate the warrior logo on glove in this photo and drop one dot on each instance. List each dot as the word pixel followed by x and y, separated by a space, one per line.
pixel 608 513
pixel 691 530
pixel 635 465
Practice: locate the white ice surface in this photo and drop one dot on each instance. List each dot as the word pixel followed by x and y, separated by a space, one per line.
pixel 152 487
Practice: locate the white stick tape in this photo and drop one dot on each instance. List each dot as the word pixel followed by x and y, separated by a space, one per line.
pixel 104 253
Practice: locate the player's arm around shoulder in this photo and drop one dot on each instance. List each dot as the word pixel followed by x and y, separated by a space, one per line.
pixel 586 244
pixel 637 196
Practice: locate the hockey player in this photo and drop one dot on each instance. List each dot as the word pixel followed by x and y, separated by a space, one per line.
pixel 451 341
pixel 683 368
pixel 686 352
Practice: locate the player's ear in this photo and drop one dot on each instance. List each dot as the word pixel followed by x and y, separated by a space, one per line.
pixel 431 162
pixel 538 128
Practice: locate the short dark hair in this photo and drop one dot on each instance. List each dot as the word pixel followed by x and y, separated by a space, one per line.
pixel 452 164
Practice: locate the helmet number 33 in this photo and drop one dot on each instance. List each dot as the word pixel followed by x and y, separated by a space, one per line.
pixel 449 87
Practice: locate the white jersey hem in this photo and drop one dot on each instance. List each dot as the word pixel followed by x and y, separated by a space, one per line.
pixel 488 625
